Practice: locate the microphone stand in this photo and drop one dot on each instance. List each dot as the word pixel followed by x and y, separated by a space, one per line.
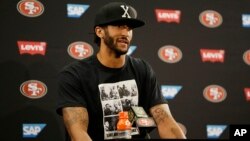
pixel 147 134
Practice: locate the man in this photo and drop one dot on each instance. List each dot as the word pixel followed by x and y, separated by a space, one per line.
pixel 81 83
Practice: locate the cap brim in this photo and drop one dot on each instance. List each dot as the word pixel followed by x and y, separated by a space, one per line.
pixel 132 23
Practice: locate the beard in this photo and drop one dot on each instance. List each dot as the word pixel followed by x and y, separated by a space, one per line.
pixel 110 42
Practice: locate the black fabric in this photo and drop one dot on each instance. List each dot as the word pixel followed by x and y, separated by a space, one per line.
pixel 118 12
pixel 78 86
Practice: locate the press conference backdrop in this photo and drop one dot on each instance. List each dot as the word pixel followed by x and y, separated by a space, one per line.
pixel 199 49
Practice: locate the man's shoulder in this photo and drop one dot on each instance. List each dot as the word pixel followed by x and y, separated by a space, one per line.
pixel 82 65
pixel 135 60
pixel 138 62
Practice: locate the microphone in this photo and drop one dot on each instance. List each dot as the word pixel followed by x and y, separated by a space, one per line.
pixel 139 118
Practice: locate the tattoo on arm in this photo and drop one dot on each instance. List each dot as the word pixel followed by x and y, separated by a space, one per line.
pixel 168 128
pixel 160 115
pixel 73 115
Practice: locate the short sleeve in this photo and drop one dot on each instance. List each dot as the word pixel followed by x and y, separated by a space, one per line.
pixel 70 93
pixel 150 93
pixel 152 87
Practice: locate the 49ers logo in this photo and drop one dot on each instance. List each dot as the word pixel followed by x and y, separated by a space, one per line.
pixel 247 93
pixel 33 89
pixel 170 54
pixel 215 93
pixel 246 57
pixel 210 18
pixel 30 8
pixel 80 50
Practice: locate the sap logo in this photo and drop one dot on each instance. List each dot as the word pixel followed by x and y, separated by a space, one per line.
pixel 76 10
pixel 131 50
pixel 32 130
pixel 169 92
pixel 246 20
pixel 214 131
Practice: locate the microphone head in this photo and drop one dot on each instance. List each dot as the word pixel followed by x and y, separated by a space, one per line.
pixel 139 112
pixel 136 112
pixel 145 122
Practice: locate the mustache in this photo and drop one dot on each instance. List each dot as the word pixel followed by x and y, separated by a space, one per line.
pixel 123 39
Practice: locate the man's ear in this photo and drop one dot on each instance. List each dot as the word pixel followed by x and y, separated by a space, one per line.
pixel 99 31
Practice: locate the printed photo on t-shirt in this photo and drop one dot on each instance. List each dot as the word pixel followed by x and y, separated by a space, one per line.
pixel 116 97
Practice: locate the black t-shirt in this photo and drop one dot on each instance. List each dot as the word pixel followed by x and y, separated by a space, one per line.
pixel 107 91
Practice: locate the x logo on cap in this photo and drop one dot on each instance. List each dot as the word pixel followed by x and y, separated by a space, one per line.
pixel 125 14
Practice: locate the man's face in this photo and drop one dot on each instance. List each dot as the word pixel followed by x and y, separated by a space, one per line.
pixel 117 38
pixel 108 106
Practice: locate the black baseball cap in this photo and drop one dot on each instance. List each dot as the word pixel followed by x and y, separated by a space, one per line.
pixel 118 13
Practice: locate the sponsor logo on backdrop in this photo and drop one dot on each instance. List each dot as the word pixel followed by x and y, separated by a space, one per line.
pixel 215 131
pixel 30 8
pixel 215 93
pixel 31 47
pixel 170 54
pixel 76 10
pixel 80 50
pixel 170 91
pixel 212 55
pixel 246 57
pixel 246 20
pixel 33 89
pixel 131 50
pixel 32 130
pixel 169 16
pixel 247 93
pixel 210 19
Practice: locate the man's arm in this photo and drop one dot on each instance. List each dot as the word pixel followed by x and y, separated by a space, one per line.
pixel 76 120
pixel 166 124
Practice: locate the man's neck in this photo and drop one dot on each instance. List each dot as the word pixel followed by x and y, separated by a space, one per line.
pixel 110 60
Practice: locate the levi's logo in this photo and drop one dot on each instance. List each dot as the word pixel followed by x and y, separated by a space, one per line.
pixel 168 16
pixel 212 55
pixel 247 93
pixel 31 47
